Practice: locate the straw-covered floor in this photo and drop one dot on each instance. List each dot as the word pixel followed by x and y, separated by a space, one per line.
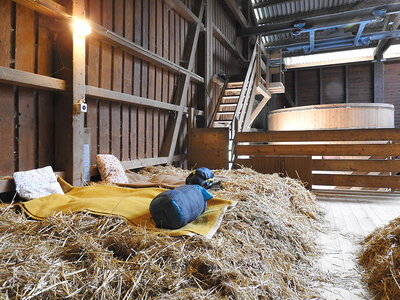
pixel 264 249
pixel 380 257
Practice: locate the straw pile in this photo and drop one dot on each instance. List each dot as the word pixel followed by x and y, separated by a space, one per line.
pixel 380 257
pixel 263 249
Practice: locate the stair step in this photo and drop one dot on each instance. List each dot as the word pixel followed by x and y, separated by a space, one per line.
pixel 237 84
pixel 228 104
pixel 225 112
pixel 230 98
pixel 232 92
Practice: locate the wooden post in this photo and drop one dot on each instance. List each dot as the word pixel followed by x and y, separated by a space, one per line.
pixel 78 94
pixel 171 138
pixel 379 80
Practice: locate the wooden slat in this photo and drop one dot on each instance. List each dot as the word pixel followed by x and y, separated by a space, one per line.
pixel 7 125
pixel 357 180
pixel 5 33
pixel 148 115
pixel 118 18
pixel 92 77
pixel 25 61
pixel 45 99
pixel 370 165
pixel 320 135
pixel 138 85
pixel 297 167
pixel 127 85
pixel 228 45
pixel 315 149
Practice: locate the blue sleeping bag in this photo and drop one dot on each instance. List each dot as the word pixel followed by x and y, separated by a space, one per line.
pixel 175 208
pixel 201 176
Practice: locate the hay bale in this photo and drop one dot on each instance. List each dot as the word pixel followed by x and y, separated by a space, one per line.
pixel 380 257
pixel 265 248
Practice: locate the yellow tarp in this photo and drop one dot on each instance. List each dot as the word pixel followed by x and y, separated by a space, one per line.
pixel 131 204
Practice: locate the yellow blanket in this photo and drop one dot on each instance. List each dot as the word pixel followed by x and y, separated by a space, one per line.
pixel 131 204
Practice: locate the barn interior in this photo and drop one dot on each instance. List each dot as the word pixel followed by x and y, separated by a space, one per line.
pixel 294 105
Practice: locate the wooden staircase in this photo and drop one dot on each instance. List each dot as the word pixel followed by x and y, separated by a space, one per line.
pixel 227 106
pixel 234 108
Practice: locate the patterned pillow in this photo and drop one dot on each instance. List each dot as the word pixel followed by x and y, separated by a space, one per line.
pixel 110 168
pixel 37 183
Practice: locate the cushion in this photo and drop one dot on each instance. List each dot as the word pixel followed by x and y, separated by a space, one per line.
pixel 37 183
pixel 110 169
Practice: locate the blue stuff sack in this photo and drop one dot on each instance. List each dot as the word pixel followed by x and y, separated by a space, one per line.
pixel 202 176
pixel 173 209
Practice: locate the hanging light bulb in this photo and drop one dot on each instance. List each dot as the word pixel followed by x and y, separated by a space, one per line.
pixel 81 27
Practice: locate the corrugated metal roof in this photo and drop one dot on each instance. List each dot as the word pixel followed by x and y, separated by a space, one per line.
pixel 278 28
pixel 296 7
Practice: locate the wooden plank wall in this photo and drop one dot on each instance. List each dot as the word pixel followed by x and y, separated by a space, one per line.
pixel 352 157
pixel 26 114
pixel 353 83
pixel 128 131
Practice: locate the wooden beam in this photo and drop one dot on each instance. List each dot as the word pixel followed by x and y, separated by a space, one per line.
pixel 142 53
pixel 78 95
pixel 384 134
pixel 109 95
pixel 369 165
pixel 236 12
pixel 183 10
pixel 320 149
pixel 173 127
pixel 376 181
pixel 260 106
pixel 145 162
pixel 228 45
pixel 47 7
pixel 28 79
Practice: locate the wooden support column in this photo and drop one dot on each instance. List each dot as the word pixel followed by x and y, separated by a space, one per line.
pixel 379 80
pixel 321 93
pixel 346 83
pixel 296 87
pixel 209 72
pixel 170 141
pixel 78 94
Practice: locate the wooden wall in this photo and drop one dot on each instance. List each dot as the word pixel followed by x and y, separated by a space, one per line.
pixel 37 126
pixel 352 83
pixel 128 131
pixel 26 114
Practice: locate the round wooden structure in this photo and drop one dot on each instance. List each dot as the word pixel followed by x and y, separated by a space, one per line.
pixel 333 116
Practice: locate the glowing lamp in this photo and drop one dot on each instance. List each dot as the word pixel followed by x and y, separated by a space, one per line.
pixel 81 27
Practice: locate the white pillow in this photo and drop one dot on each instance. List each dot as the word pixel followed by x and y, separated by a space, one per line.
pixel 37 183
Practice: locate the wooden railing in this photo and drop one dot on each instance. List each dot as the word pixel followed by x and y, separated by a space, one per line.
pixel 352 158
